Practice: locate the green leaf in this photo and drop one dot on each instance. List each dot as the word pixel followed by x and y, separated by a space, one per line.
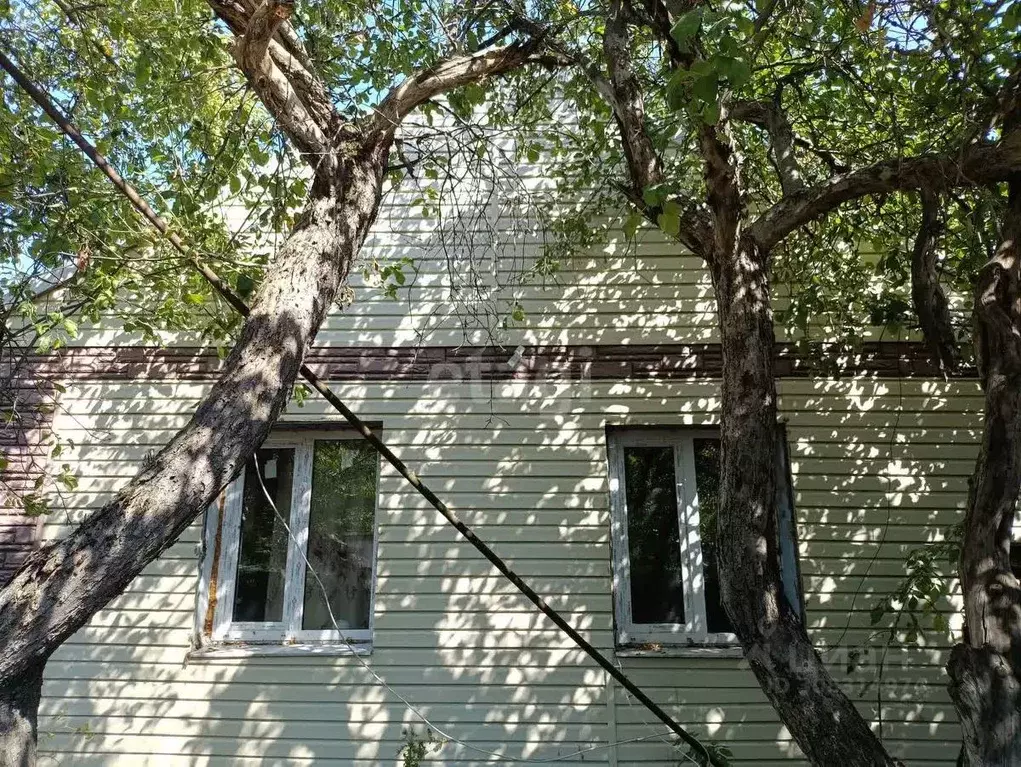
pixel 686 27
pixel 34 505
pixel 143 70
pixel 706 87
pixel 631 224
pixel 654 195
pixel 736 70
pixel 729 47
pixel 1012 16
pixel 670 219
pixel 245 285
pixel 677 89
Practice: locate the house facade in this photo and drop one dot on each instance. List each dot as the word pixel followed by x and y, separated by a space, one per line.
pixel 322 608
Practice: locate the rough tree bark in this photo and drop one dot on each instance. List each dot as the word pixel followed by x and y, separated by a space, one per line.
pixel 819 715
pixel 927 296
pixel 19 717
pixel 985 671
pixel 65 583
pixel 822 719
pixel 736 248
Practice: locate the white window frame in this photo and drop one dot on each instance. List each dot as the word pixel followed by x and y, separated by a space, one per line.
pixel 695 630
pixel 288 630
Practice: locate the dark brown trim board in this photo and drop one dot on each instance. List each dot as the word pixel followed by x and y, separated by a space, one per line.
pixel 27 416
pixel 457 363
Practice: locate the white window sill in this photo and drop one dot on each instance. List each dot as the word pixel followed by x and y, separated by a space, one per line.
pixel 679 651
pixel 241 650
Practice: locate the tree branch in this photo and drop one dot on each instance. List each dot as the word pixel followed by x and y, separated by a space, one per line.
pixel 622 94
pixel 983 668
pixel 825 155
pixel 560 55
pixel 973 166
pixel 771 117
pixel 645 169
pixel 303 79
pixel 985 680
pixel 718 228
pixel 445 75
pixel 643 161
pixel 927 294
pixel 997 293
pixel 292 93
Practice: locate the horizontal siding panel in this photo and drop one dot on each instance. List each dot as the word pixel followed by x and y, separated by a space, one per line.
pixel 137 664
pixel 880 467
pixel 326 700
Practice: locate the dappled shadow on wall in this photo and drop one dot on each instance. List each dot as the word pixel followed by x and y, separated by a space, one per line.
pixel 879 470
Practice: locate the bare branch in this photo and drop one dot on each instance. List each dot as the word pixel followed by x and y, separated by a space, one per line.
pixel 926 291
pixel 445 75
pixel 973 166
pixel 771 117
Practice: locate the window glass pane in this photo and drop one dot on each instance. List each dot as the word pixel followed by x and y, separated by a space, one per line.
pixel 341 521
pixel 262 560
pixel 657 588
pixel 707 486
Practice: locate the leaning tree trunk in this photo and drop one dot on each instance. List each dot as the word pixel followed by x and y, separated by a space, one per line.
pixel 19 715
pixel 823 721
pixel 65 583
pixel 985 670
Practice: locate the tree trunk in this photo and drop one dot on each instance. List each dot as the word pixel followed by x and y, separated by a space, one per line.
pixel 823 721
pixel 985 671
pixel 930 302
pixel 65 583
pixel 19 713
